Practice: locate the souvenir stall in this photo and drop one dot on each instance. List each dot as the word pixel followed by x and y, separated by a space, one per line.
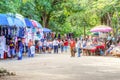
pixel 33 30
pixel 102 30
pixel 3 34
pixel 11 27
pixel 28 35
pixel 7 33
pixel 14 27
pixel 37 30
pixel 28 32
pixel 98 47
pixel 38 33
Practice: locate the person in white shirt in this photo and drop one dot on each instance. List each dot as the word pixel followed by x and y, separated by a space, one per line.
pixel 84 43
pixel 55 45
pixel 1 52
pixel 32 48
pixel 78 46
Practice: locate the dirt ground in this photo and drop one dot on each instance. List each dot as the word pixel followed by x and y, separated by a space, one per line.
pixel 63 67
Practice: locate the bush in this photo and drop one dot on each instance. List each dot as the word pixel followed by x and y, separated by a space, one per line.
pixel 4 72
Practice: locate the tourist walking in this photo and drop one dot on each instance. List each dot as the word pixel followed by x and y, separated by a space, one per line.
pixel 78 46
pixel 55 45
pixel 72 47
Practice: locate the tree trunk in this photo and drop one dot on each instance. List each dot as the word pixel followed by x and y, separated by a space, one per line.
pixel 103 20
pixel 45 19
pixel 106 19
pixel 48 19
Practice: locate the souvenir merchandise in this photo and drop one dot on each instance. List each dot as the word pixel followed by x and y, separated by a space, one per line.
pixel 2 46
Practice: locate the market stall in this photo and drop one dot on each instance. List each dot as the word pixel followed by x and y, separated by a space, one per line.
pixel 14 27
pixel 98 43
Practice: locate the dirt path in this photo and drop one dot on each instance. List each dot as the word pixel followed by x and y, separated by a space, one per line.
pixel 63 67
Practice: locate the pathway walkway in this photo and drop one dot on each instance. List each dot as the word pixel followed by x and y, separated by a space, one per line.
pixel 63 67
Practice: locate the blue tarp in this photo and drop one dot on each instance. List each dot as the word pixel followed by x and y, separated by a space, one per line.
pixel 18 22
pixel 3 20
pixel 10 20
pixel 15 22
pixel 46 30
pixel 28 23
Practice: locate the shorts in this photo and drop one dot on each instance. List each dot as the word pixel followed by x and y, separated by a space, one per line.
pixel 40 47
pixel 50 46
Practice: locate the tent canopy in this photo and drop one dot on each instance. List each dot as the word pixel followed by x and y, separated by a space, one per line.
pixel 28 23
pixel 3 20
pixel 46 30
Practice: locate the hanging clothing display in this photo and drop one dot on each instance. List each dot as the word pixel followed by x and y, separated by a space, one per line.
pixel 2 46
pixel 21 32
pixel 13 27
pixel 29 34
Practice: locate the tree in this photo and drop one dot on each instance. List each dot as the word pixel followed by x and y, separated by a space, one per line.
pixel 45 8
pixel 27 9
pixel 67 15
pixel 9 6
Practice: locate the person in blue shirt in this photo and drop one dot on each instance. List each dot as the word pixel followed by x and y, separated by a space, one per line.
pixel 21 47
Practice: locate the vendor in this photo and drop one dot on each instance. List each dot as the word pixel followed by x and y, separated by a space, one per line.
pixel 109 49
pixel 109 43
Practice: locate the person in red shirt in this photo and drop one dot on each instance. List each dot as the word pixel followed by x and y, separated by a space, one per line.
pixel 72 47
pixel 66 45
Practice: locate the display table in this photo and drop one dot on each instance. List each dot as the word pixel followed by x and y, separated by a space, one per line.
pixel 92 49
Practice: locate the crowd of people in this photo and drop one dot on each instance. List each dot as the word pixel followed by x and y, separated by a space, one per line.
pixel 81 46
pixel 97 46
pixel 47 46
pixel 53 43
pixel 19 47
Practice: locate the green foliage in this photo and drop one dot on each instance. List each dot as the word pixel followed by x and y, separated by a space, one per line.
pixel 28 10
pixel 66 16
pixel 7 6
